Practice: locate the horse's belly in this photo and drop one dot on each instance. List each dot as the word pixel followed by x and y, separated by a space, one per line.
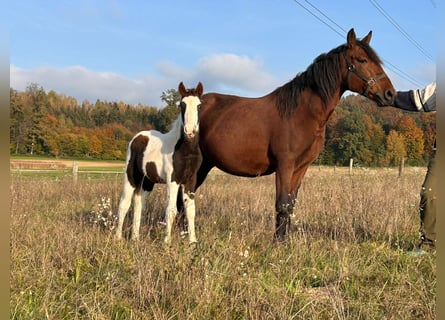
pixel 239 159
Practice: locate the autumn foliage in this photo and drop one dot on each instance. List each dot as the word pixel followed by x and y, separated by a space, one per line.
pixel 53 124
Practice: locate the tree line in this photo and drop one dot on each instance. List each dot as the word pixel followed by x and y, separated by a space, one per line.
pixel 53 124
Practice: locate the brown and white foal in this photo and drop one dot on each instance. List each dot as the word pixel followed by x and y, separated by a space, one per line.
pixel 172 158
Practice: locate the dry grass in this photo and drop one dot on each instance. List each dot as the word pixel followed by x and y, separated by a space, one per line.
pixel 345 259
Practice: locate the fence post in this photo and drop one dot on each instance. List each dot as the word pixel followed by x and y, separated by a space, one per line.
pixel 351 162
pixel 402 166
pixel 75 171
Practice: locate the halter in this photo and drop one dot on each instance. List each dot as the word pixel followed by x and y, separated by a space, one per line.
pixel 369 81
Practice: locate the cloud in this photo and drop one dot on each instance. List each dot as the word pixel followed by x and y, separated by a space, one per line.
pixel 228 73
pixel 236 72
pixel 85 84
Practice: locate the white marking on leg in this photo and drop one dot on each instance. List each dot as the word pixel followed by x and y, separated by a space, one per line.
pixel 144 200
pixel 137 200
pixel 170 211
pixel 124 205
pixel 189 206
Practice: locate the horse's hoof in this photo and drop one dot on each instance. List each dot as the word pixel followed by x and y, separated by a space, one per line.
pixel 279 238
pixel 194 246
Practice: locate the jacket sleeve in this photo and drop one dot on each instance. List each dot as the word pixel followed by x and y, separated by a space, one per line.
pixel 417 100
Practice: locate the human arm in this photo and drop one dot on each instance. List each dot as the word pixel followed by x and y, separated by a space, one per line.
pixel 417 100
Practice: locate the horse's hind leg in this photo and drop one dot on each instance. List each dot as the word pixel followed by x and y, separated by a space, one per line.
pixel 139 205
pixel 147 187
pixel 124 205
pixel 137 200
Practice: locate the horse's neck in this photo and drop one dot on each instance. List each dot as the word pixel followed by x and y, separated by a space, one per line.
pixel 176 130
pixel 188 143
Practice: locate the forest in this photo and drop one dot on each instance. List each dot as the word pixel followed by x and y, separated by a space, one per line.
pixel 56 125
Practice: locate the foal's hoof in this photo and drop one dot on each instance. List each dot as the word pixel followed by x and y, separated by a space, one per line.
pixel 117 237
pixel 193 246
pixel 280 238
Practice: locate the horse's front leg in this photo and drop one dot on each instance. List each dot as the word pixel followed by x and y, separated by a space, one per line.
pixel 284 207
pixel 170 211
pixel 189 205
pixel 284 204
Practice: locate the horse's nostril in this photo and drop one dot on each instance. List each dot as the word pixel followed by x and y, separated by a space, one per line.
pixel 389 95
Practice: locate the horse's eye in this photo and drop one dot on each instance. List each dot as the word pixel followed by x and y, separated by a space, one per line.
pixel 199 106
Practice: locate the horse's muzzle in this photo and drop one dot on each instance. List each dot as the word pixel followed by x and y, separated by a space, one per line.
pixel 385 99
pixel 190 134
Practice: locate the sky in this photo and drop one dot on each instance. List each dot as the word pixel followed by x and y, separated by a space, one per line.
pixel 133 51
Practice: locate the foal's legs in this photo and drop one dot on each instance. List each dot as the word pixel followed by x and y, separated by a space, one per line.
pixel 124 205
pixel 138 199
pixel 180 218
pixel 170 211
pixel 189 204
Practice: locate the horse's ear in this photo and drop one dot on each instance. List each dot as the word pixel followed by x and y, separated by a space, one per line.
pixel 367 39
pixel 200 89
pixel 181 89
pixel 351 38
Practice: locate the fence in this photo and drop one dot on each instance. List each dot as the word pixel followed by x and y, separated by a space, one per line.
pixel 76 171
pixel 48 166
pixel 57 167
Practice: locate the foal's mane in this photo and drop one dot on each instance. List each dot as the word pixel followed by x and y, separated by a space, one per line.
pixel 322 76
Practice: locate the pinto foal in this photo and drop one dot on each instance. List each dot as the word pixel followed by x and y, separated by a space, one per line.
pixel 172 158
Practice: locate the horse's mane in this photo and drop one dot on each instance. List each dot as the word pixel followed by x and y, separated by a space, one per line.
pixel 322 76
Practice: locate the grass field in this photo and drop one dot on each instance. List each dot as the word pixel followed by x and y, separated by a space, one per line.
pixel 346 257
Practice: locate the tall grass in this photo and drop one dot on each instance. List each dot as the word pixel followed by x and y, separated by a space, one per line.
pixel 346 256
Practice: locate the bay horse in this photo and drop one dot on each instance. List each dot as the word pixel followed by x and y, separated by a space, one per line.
pixel 283 131
pixel 172 158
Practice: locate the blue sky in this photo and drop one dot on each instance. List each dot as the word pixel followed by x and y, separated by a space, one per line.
pixel 132 51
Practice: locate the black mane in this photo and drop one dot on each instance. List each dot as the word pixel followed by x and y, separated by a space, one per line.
pixel 322 76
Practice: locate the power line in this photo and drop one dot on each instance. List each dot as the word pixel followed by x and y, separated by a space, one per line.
pixel 391 66
pixel 402 74
pixel 318 18
pixel 402 31
pixel 324 15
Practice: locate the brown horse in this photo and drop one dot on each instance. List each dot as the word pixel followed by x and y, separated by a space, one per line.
pixel 283 132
